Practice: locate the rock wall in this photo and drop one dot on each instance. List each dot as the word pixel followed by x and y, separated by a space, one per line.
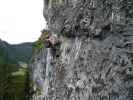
pixel 95 58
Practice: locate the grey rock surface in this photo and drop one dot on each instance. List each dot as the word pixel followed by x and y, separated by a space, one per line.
pixel 95 59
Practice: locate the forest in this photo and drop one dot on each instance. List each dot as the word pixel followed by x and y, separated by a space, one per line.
pixel 14 79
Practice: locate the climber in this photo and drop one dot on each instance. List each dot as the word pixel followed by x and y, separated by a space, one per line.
pixel 50 40
pixel 53 39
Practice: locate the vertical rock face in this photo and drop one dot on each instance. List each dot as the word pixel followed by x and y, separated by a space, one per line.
pixel 95 58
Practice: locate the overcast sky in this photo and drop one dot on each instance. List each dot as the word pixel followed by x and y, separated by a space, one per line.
pixel 21 20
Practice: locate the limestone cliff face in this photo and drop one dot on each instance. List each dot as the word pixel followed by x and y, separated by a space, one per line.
pixel 95 58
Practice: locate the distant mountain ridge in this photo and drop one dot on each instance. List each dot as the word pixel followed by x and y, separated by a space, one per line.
pixel 16 53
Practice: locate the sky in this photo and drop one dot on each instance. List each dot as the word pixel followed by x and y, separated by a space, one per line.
pixel 21 20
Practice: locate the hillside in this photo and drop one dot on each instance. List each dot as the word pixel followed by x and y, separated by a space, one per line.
pixel 16 53
pixel 14 80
